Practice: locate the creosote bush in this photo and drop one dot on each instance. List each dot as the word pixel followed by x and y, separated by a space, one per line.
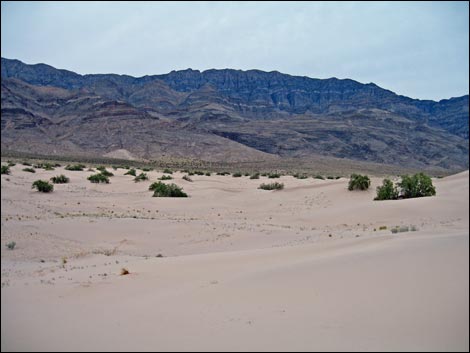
pixel 60 179
pixel 274 175
pixel 75 167
pixel 255 176
pixel 98 178
pixel 237 175
pixel 165 177
pixel 141 177
pixel 163 190
pixel 131 172
pixel 187 178
pixel 358 182
pixel 272 186
pixel 29 170
pixel 42 186
pixel 5 169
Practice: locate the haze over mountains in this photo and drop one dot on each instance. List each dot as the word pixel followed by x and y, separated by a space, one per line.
pixel 226 115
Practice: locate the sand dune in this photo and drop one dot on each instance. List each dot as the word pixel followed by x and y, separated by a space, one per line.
pixel 306 268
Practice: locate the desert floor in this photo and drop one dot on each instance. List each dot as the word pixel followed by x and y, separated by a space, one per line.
pixel 305 268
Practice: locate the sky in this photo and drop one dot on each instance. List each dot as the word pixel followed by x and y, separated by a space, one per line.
pixel 416 49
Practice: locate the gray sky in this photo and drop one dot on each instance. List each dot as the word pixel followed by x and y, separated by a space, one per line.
pixel 417 49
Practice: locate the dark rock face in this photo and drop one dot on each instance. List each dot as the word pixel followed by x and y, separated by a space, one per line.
pixel 255 113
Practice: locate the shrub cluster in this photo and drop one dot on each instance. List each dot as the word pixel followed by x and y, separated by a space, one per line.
pixel 98 178
pixel 163 190
pixel 29 170
pixel 358 182
pixel 75 167
pixel 417 185
pixel 130 172
pixel 42 186
pixel 141 177
pixel 272 186
pixel 165 177
pixel 60 179
pixel 255 176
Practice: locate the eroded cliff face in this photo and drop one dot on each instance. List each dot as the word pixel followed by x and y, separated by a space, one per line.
pixel 220 114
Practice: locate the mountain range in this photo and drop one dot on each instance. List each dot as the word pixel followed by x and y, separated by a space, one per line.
pixel 226 115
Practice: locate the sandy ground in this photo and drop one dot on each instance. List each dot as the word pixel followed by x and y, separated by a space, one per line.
pixel 306 268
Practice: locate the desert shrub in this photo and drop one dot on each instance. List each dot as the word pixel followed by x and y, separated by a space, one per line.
pixel 101 168
pixel 358 182
pixel 163 190
pixel 382 227
pixel 413 228
pixel 274 175
pixel 223 173
pixel 418 185
pixel 57 165
pixel 165 177
pixel 147 169
pixel 272 186
pixel 106 173
pixel 75 167
pixel 330 177
pixel 167 171
pixel 98 178
pixel 11 245
pixel 131 172
pixel 400 229
pixel 387 191
pixel 264 174
pixel 43 186
pixel 191 173
pixel 141 177
pixel 337 177
pixel 187 178
pixel 11 164
pixel 45 166
pixel 237 175
pixel 319 177
pixel 246 174
pixel 207 174
pixel 5 169
pixel 300 176
pixel 255 176
pixel 60 179
pixel 29 170
pixel 26 164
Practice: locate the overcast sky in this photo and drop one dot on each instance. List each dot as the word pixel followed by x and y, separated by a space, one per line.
pixel 417 49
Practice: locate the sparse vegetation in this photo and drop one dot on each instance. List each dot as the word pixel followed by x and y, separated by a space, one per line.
pixel 272 186
pixel 319 177
pixel 43 186
pixel 418 185
pixel 5 169
pixel 163 190
pixel 11 164
pixel 147 169
pixel 26 164
pixel 358 182
pixel 75 167
pixel 223 173
pixel 382 227
pixel 60 179
pixel 255 176
pixel 29 170
pixel 274 175
pixel 187 178
pixel 237 175
pixel 131 172
pixel 106 173
pixel 167 171
pixel 11 245
pixel 387 191
pixel 165 177
pixel 207 174
pixel 98 178
pixel 300 176
pixel 141 177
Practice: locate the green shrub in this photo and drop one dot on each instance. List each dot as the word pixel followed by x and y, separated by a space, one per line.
pixel 26 164
pixel 255 176
pixel 141 177
pixel 191 173
pixel 187 178
pixel 330 177
pixel 167 171
pixel 274 175
pixel 45 166
pixel 264 174
pixel 29 170
pixel 5 169
pixel 382 227
pixel 223 173
pixel 147 169
pixel 101 168
pixel 98 178
pixel 75 167
pixel 106 173
pixel 319 177
pixel 300 176
pixel 43 186
pixel 358 182
pixel 387 191
pixel 60 179
pixel 130 172
pixel 207 174
pixel 418 185
pixel 272 186
pixel 165 177
pixel 11 245
pixel 11 164
pixel 246 174
pixel 237 175
pixel 163 190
